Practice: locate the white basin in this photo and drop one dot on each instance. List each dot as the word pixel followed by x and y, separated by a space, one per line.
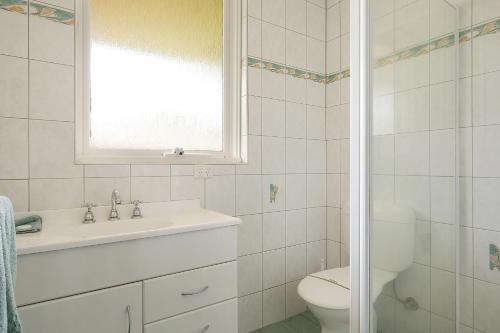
pixel 64 229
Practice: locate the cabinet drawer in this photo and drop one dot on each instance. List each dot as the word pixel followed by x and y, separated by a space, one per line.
pixel 170 295
pixel 103 311
pixel 219 318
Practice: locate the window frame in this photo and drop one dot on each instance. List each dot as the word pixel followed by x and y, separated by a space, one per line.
pixel 232 101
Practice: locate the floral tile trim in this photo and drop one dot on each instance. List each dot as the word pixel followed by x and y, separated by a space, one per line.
pixel 287 70
pixel 338 76
pixel 494 257
pixel 53 14
pixel 16 6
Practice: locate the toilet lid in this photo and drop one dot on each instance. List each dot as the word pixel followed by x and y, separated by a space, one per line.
pixel 315 290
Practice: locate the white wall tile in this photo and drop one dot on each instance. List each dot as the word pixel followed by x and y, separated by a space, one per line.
pixel 273 117
pixel 316 156
pixel 316 190
pixel 443 199
pixel 484 10
pixel 96 171
pixel 250 234
pixel 185 188
pixel 14 147
pixel 249 274
pixel 296 187
pixel 296 49
pixel 296 152
pixel 486 203
pixel 442 153
pixel 333 224
pixel 296 262
pixel 150 189
pixel 296 15
pixel 294 303
pixel 51 91
pixel 316 53
pixel 333 254
pixel 56 193
pixel 13 86
pixel 316 21
pixel 333 190
pixel 316 256
pixel 273 268
pixel 333 22
pixel 51 41
pixel 273 230
pixel 296 116
pixel 138 170
pixel 315 122
pixel 52 152
pixel 315 93
pixel 486 99
pixel 486 306
pixel 220 194
pixel 333 156
pixel 248 195
pixel 274 11
pixel 254 37
pixel 254 8
pixel 296 89
pixel 296 227
pixel 13 34
pixel 254 165
pixel 344 16
pixel 486 151
pixel 316 223
pixel 273 42
pixel 273 156
pixel 17 192
pixel 482 49
pixel 273 301
pixel 412 153
pixel 413 192
pixel 250 312
pixel 273 85
pixel 443 246
pixel 411 110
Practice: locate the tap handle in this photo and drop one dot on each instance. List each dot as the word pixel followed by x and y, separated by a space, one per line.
pixel 136 203
pixel 136 212
pixel 89 214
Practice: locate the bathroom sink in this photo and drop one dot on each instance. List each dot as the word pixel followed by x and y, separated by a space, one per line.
pixel 63 229
pixel 116 228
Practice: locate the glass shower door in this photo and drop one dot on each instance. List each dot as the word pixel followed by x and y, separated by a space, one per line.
pixel 413 166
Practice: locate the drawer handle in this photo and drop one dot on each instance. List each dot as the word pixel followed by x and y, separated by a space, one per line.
pixel 195 292
pixel 205 329
pixel 129 318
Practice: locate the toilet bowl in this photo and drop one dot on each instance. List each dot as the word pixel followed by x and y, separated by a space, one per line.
pixel 327 293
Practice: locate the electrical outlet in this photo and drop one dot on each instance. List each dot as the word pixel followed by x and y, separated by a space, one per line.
pixel 203 171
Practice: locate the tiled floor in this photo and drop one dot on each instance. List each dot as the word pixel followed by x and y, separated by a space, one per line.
pixel 301 323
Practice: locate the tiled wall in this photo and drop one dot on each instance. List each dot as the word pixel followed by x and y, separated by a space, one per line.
pixel 414 157
pixel 281 239
pixel 281 242
pixel 337 131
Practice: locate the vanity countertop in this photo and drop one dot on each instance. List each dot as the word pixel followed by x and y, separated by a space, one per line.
pixel 63 229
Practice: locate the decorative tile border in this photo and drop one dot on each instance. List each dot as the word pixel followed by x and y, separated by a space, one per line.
pixel 287 70
pixel 54 14
pixel 38 9
pixel 16 6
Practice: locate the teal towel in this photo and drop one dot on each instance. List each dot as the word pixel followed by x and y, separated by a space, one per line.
pixel 9 319
pixel 29 224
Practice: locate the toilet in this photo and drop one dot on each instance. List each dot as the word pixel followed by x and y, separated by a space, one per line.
pixel 327 293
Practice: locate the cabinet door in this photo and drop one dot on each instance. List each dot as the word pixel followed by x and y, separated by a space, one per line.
pixel 105 311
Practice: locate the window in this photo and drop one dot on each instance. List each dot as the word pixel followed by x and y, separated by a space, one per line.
pixel 158 81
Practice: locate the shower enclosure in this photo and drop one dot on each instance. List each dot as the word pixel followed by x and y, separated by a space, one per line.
pixel 422 121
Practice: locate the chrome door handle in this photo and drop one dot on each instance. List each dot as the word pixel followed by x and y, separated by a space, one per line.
pixel 129 319
pixel 195 292
pixel 205 329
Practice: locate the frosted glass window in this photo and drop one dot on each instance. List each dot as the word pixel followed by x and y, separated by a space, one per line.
pixel 156 74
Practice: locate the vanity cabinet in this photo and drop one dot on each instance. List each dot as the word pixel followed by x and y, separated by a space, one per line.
pixel 177 283
pixel 110 310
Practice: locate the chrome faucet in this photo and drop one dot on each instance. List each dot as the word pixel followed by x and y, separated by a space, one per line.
pixel 115 200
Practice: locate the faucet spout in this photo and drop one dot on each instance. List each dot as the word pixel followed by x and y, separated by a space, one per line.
pixel 115 200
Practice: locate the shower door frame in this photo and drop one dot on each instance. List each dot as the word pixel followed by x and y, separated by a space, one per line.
pixel 361 102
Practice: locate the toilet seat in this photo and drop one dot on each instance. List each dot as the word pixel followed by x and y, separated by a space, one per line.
pixel 314 289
